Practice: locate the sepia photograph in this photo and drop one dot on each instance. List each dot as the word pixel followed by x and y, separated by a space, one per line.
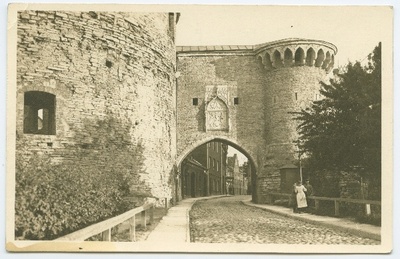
pixel 199 128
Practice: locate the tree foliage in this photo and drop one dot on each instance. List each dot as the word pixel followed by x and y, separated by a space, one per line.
pixel 343 130
pixel 89 185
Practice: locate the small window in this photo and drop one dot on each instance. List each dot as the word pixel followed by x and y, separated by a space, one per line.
pixel 236 100
pixel 109 63
pixel 295 96
pixel 195 101
pixel 39 113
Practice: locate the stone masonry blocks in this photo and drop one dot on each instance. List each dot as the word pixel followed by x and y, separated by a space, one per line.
pixel 102 65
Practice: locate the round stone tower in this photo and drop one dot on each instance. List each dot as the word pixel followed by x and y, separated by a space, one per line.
pixel 91 81
pixel 294 69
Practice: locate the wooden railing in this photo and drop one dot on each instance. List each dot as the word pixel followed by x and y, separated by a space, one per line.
pixel 336 201
pixel 105 226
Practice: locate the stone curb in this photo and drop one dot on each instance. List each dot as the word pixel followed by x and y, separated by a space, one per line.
pixel 338 225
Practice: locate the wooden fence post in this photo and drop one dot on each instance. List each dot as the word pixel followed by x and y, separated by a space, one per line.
pixel 132 229
pixel 316 204
pixel 144 215
pixel 336 208
pixel 106 235
pixel 368 209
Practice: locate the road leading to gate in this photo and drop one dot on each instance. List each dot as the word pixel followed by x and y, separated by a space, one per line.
pixel 227 220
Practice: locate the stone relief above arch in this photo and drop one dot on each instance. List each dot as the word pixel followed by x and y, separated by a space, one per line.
pixel 220 91
pixel 217 116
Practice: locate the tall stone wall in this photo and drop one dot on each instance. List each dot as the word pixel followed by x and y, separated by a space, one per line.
pixel 232 76
pixel 113 78
pixel 268 82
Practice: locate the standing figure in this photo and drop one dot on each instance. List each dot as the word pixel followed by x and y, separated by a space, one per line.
pixel 300 196
pixel 309 192
pixel 294 199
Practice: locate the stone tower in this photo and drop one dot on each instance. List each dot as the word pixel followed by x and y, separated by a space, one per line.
pixel 293 71
pixel 99 87
pixel 242 96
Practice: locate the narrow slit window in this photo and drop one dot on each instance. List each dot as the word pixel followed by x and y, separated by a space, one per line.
pixel 39 113
pixel 236 100
pixel 195 101
pixel 295 96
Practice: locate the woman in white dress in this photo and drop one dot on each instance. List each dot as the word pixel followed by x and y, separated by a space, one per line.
pixel 299 189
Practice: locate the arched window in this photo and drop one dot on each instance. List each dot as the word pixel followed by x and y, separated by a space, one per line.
pixel 320 58
pixel 310 57
pixel 327 60
pixel 331 64
pixel 277 59
pixel 267 61
pixel 259 60
pixel 288 58
pixel 299 57
pixel 39 113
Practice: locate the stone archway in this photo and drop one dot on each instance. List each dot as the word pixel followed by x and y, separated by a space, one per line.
pixel 224 93
pixel 249 154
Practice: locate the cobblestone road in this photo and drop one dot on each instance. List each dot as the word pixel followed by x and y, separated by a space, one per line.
pixel 226 220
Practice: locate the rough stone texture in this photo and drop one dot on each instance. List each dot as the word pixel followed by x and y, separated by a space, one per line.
pixel 244 80
pixel 289 90
pixel 99 66
pixel 260 125
pixel 122 66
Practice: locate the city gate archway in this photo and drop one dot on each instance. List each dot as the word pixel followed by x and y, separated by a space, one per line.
pixel 251 161
pixel 243 95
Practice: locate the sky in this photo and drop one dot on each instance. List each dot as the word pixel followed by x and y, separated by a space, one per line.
pixel 354 30
pixel 242 158
pixel 354 36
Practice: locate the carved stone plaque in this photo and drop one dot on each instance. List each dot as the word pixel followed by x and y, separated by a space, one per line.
pixel 220 91
pixel 217 115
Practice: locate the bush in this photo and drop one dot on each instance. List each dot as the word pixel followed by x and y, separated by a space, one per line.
pixel 88 186
pixel 374 219
pixel 52 200
pixel 326 208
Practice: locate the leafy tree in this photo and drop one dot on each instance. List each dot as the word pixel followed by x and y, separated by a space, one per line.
pixel 343 130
